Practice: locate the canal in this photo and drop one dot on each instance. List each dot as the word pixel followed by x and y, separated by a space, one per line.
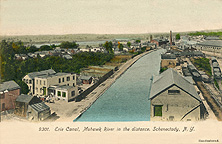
pixel 128 98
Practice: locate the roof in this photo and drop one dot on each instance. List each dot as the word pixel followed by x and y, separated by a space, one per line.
pixel 168 56
pixel 169 78
pixel 24 98
pixel 39 107
pixel 85 77
pixel 44 72
pixel 215 43
pixel 212 38
pixel 54 74
pixel 9 85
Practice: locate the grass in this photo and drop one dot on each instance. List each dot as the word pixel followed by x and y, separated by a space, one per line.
pixel 216 84
pixel 202 64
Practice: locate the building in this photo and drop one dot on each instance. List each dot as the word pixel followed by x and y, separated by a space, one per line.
pixel 66 93
pixel 159 42
pixel 31 108
pixel 39 82
pixel 210 45
pixel 43 82
pixel 86 79
pixel 174 98
pixel 29 79
pixel 9 91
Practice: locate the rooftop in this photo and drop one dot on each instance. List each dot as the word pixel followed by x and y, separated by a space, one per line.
pixel 216 43
pixel 171 77
pixel 24 98
pixel 9 85
pixel 44 72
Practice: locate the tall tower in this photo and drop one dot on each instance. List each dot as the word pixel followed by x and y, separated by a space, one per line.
pixel 151 38
pixel 170 38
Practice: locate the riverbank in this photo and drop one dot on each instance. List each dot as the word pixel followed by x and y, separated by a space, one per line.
pixel 72 110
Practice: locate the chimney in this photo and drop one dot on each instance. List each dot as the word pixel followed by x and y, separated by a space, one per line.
pixel 151 38
pixel 170 38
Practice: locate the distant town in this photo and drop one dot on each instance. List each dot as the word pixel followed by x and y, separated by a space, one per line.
pixel 61 81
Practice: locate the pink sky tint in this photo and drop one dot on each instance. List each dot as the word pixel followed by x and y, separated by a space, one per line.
pixel 34 17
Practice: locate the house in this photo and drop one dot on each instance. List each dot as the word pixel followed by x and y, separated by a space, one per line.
pixel 86 79
pixel 159 42
pixel 66 56
pixel 29 79
pixel 9 91
pixel 43 82
pixel 174 98
pixel 31 108
pixel 66 93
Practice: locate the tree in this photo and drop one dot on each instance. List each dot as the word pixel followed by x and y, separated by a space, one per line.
pixel 137 41
pixel 177 36
pixel 129 44
pixel 45 48
pixel 24 87
pixel 108 46
pixel 120 46
pixel 67 44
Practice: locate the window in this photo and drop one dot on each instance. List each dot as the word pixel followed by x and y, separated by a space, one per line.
pixel 2 96
pixel 43 82
pixel 63 94
pixel 36 81
pixel 3 106
pixel 73 77
pixel 59 93
pixel 68 79
pixel 44 90
pixel 59 80
pixel 158 110
pixel 67 84
pixel 173 92
pixel 73 93
pixel 63 79
pixel 73 84
pixel 40 82
pixel 30 81
pixel 36 89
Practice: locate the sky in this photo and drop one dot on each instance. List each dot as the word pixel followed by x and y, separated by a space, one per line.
pixel 41 17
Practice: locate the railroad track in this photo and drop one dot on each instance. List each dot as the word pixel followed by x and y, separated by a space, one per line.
pixel 214 105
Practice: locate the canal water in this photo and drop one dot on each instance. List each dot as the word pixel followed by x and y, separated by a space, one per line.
pixel 128 98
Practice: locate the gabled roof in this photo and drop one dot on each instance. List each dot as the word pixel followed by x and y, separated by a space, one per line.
pixel 24 98
pixel 44 72
pixel 9 85
pixel 169 78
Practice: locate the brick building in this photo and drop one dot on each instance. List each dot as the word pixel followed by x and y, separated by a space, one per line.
pixel 9 91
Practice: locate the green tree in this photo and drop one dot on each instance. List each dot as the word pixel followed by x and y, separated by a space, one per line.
pixel 129 44
pixel 137 41
pixel 177 36
pixel 109 47
pixel 24 87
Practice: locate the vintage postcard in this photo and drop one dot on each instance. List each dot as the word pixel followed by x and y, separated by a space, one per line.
pixel 109 71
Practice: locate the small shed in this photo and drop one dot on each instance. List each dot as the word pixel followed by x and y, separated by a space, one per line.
pixel 38 111
pixel 86 79
pixel 22 102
